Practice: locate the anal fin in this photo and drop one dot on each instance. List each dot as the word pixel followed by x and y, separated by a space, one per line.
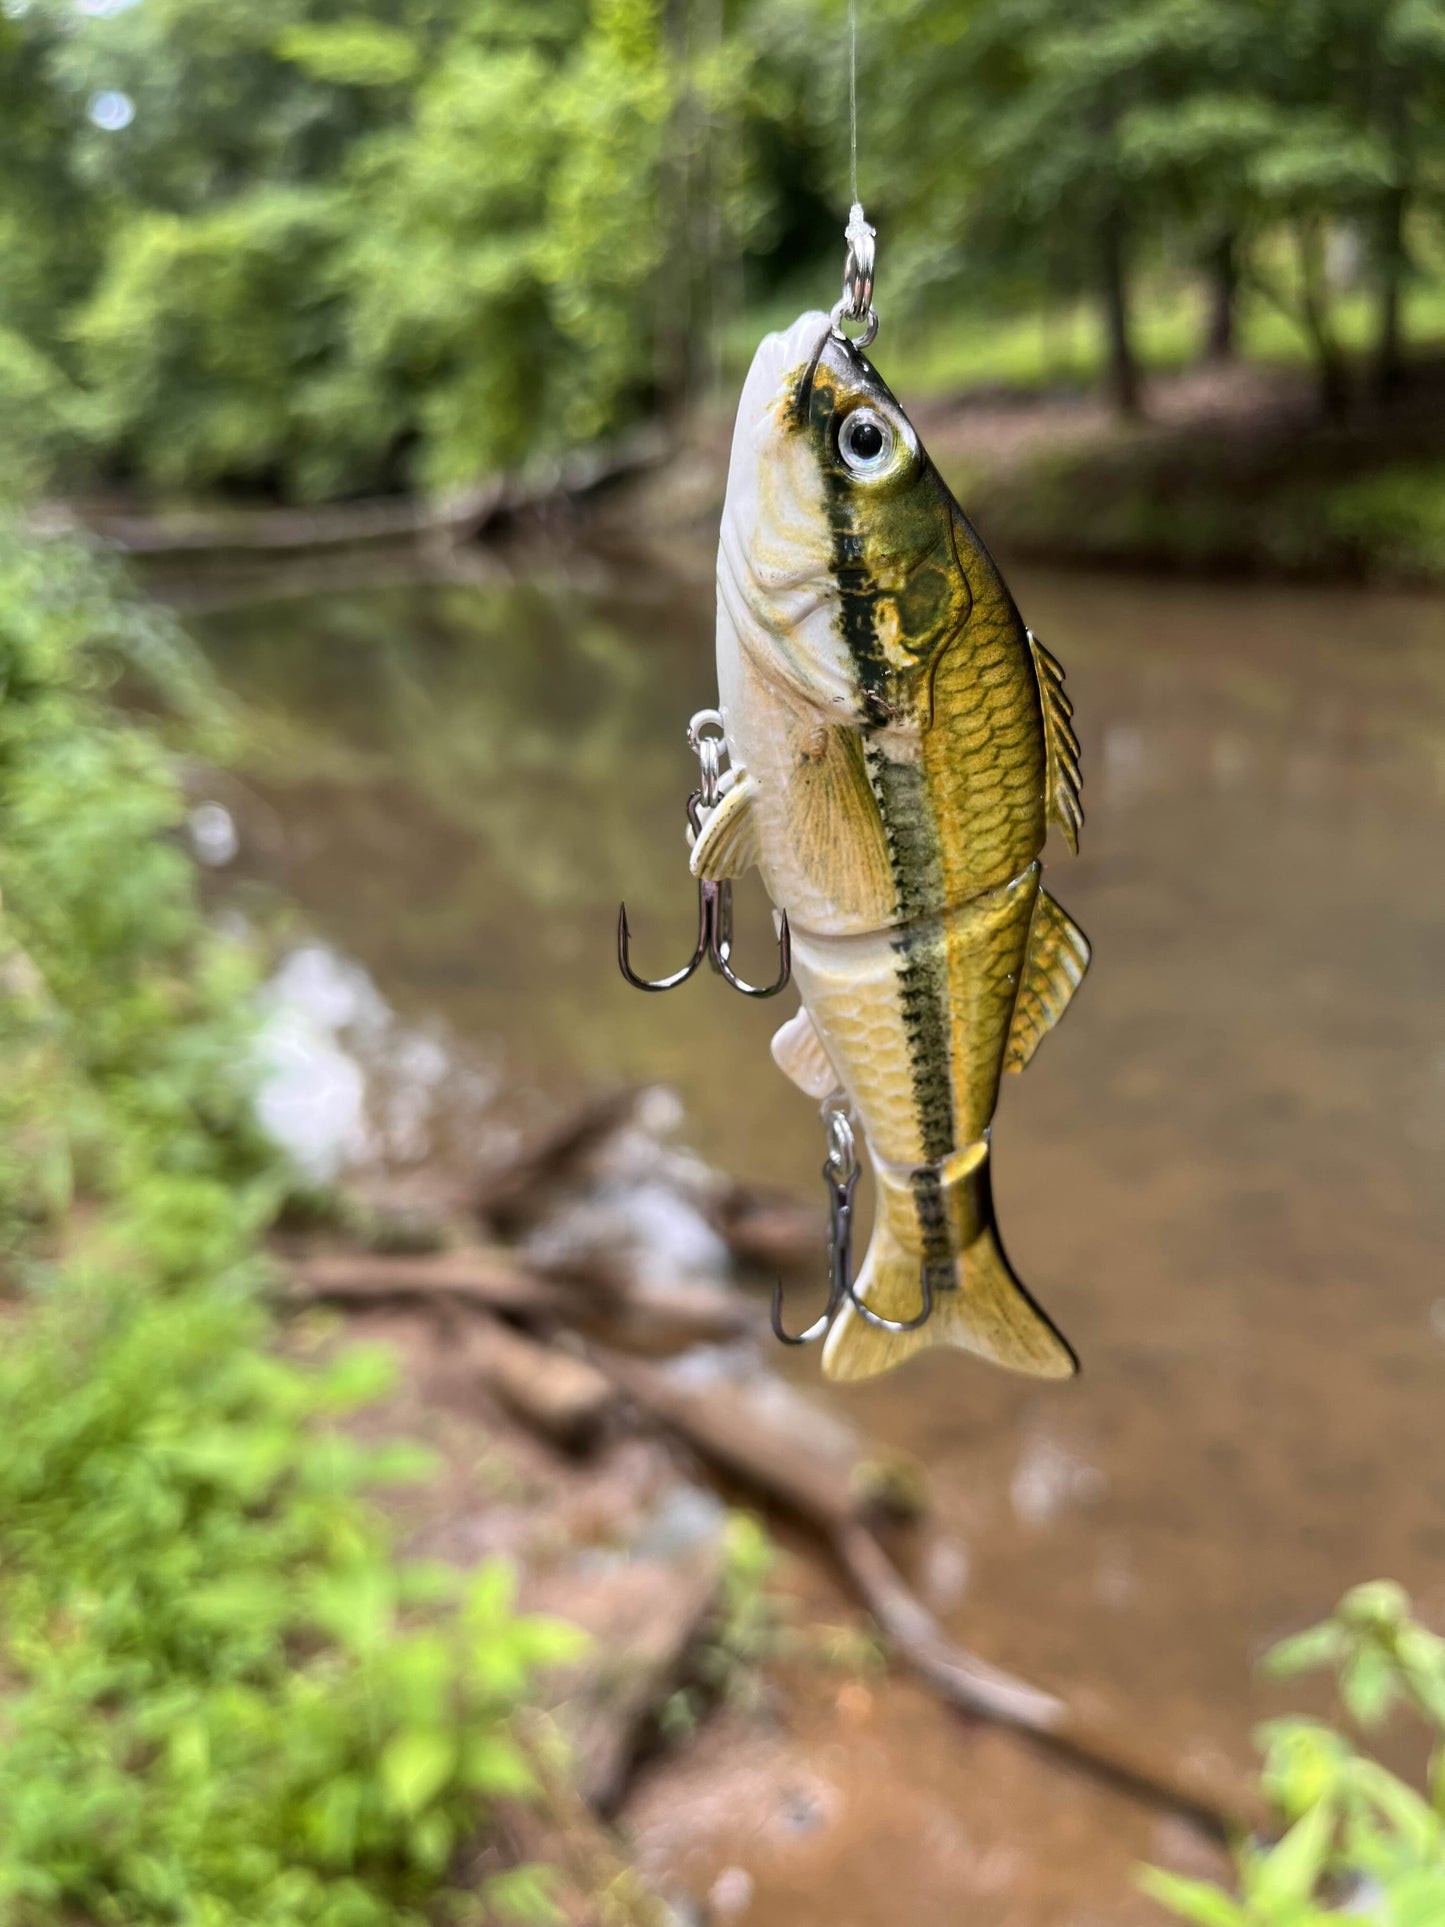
pixel 727 844
pixel 798 1052
pixel 1054 966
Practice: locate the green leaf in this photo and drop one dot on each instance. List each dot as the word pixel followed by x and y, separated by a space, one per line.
pixel 1320 1646
pixel 415 1765
pixel 358 1377
pixel 1416 1899
pixel 401 1462
pixel 1193 1900
pixel 490 1594
pixel 1291 1870
pixel 1368 1685
pixel 1378 1607
pixel 1305 1764
pixel 1419 1827
pixel 352 53
pixel 357 1606
pixel 497 1767
pixel 432 1838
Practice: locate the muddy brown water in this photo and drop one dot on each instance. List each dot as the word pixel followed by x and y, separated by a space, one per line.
pixel 1223 1174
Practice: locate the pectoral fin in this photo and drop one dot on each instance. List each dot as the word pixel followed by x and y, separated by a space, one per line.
pixel 728 842
pixel 1054 966
pixel 798 1052
pixel 1062 745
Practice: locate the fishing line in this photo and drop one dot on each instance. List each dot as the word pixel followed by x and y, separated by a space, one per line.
pixel 853 98
pixel 857 300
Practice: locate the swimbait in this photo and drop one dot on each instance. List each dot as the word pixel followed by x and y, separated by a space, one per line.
pixel 899 742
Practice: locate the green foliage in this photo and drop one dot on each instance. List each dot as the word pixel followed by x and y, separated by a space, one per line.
pixel 515 301
pixel 748 1632
pixel 211 350
pixel 226 1700
pixel 1395 518
pixel 347 245
pixel 1350 1824
pixel 410 243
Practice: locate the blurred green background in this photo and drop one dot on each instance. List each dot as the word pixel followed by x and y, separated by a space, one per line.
pixel 314 250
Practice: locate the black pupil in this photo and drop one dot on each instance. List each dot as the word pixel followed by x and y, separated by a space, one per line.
pixel 865 440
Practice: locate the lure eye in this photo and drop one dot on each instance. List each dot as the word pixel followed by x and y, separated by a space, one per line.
pixel 865 442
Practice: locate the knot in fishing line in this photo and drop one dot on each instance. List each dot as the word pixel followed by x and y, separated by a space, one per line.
pixel 856 302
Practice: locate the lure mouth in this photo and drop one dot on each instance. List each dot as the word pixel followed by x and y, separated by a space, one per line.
pixel 780 359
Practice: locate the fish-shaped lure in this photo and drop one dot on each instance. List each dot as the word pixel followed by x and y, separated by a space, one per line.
pixel 899 742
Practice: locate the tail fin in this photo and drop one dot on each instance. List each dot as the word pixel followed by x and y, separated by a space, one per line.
pixel 981 1308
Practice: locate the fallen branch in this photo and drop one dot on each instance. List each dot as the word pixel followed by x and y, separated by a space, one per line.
pixel 511 1196
pixel 732 1433
pixel 741 1438
pixel 458 517
pixel 565 1398
pixel 651 1317
pixel 472 1275
pixel 770 1230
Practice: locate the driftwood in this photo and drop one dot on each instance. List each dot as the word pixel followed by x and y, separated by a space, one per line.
pixel 511 1196
pixel 564 1397
pixel 729 1431
pixel 458 517
pixel 649 1316
pixel 828 1492
pixel 765 1228
pixel 769 1230
pixel 475 1275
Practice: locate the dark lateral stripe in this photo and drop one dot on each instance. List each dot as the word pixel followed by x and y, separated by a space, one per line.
pixel 912 843
pixel 927 1188
pixel 909 828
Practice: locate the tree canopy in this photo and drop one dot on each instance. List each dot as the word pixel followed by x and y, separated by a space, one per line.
pixel 326 247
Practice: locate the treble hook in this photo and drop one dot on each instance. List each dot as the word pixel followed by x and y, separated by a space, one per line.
pixel 714 898
pixel 840 1173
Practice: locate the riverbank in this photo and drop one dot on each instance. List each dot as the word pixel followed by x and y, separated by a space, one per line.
pixel 1228 471
pixel 733 1731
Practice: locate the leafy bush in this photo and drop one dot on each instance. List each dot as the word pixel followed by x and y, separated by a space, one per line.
pixel 226 1702
pixel 1395 518
pixel 1354 1832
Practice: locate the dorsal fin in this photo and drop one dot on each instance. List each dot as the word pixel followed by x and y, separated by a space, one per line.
pixel 728 843
pixel 1054 966
pixel 1061 743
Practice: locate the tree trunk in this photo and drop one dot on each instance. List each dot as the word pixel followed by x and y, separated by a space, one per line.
pixel 1223 291
pixel 1123 375
pixel 1389 367
pixel 1390 262
pixel 1314 313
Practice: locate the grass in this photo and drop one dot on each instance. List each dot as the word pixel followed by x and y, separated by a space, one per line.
pixel 1063 346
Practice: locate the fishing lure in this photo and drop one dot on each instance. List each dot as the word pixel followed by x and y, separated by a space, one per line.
pixel 898 743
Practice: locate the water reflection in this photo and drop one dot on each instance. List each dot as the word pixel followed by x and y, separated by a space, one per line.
pixel 345 1085
pixel 470 781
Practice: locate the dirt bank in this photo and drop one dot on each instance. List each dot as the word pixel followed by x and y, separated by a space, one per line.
pixel 1229 470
